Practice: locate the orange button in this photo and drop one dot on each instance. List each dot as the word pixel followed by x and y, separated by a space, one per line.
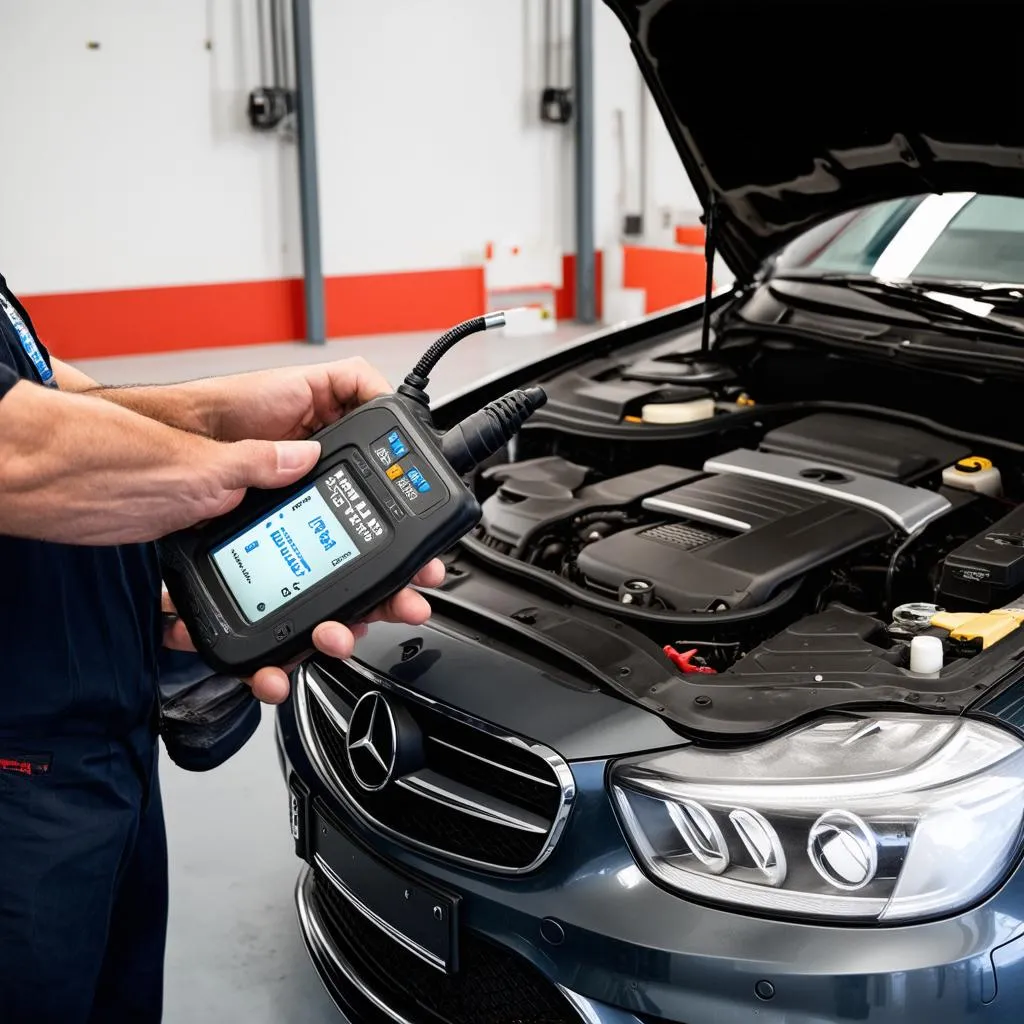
pixel 394 472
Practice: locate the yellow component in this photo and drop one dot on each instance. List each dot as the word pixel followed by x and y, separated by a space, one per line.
pixel 631 419
pixel 988 627
pixel 974 464
pixel 394 472
pixel 745 399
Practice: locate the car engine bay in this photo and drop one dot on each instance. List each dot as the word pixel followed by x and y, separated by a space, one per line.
pixel 840 544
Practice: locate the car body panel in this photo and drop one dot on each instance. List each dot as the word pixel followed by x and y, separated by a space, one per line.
pixel 634 948
pixel 475 674
pixel 724 78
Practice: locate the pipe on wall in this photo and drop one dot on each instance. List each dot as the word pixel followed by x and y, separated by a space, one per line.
pixel 583 68
pixel 309 192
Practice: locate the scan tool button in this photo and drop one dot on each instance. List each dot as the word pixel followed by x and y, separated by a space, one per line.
pixel 397 445
pixel 360 463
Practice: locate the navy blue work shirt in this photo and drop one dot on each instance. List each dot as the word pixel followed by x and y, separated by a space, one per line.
pixel 80 627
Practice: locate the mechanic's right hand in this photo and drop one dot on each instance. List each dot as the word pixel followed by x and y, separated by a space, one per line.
pixel 77 470
pixel 228 469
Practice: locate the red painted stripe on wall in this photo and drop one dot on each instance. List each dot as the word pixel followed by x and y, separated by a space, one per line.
pixel 690 235
pixel 81 325
pixel 667 275
pixel 414 301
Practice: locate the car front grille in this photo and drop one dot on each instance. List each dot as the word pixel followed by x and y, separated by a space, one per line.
pixel 476 796
pixel 493 985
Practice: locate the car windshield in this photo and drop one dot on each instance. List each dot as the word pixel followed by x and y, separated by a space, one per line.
pixel 962 237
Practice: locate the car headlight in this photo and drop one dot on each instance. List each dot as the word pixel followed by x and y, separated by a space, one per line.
pixel 888 817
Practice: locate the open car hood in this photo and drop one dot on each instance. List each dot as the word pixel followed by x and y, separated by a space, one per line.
pixel 785 115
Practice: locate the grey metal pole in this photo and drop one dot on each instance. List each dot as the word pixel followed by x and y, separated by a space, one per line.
pixel 275 43
pixel 309 192
pixel 583 101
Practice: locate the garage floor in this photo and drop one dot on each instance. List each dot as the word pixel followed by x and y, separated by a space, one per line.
pixel 234 953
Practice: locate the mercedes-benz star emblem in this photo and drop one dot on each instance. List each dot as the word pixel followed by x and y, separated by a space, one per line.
pixel 372 741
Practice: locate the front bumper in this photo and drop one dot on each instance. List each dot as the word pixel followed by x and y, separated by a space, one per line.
pixel 624 951
pixel 363 1002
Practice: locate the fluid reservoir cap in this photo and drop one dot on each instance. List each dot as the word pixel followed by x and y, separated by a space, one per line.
pixel 974 464
pixel 926 655
pixel 914 617
pixel 678 413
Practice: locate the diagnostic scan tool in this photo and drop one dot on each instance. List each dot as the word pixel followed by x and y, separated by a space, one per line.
pixel 386 496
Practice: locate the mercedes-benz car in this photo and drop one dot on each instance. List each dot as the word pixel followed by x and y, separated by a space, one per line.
pixel 720 712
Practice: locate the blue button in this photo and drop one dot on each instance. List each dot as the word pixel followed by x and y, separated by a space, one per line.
pixel 423 487
pixel 397 445
pixel 414 475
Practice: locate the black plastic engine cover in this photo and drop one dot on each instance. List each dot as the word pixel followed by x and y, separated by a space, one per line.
pixel 837 641
pixel 538 492
pixel 699 562
pixel 892 451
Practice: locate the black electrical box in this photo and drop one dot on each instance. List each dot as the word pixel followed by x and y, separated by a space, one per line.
pixel 987 571
pixel 556 105
pixel 269 105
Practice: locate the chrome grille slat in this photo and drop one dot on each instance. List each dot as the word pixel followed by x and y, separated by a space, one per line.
pixel 493 764
pixel 466 800
pixel 482 798
pixel 329 708
pixel 393 933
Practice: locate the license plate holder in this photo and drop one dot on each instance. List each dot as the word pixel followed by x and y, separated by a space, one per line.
pixel 418 916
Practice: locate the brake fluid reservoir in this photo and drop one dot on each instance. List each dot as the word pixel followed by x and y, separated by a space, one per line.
pixel 974 474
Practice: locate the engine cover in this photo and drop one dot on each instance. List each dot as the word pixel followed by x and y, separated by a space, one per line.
pixel 729 541
pixel 539 492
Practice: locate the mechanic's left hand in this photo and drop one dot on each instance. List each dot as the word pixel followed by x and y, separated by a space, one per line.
pixel 270 685
pixel 292 402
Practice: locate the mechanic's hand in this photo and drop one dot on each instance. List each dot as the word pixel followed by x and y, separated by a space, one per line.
pixel 270 685
pixel 290 403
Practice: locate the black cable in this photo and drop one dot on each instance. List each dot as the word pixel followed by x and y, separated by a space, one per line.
pixel 451 337
pixel 416 382
pixel 483 433
pixel 721 644
pixel 890 572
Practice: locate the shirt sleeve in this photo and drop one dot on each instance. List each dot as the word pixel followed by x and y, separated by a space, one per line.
pixel 8 378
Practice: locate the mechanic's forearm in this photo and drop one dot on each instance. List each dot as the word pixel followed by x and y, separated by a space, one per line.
pixel 85 472
pixel 192 406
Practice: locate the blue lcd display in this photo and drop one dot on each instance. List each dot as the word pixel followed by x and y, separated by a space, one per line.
pixel 285 553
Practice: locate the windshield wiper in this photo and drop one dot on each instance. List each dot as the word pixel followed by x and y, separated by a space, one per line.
pixel 919 297
pixel 1006 295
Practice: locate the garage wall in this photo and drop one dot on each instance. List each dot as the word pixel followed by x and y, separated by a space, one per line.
pixel 142 212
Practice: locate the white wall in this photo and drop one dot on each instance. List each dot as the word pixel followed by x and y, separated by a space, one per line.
pixel 135 165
